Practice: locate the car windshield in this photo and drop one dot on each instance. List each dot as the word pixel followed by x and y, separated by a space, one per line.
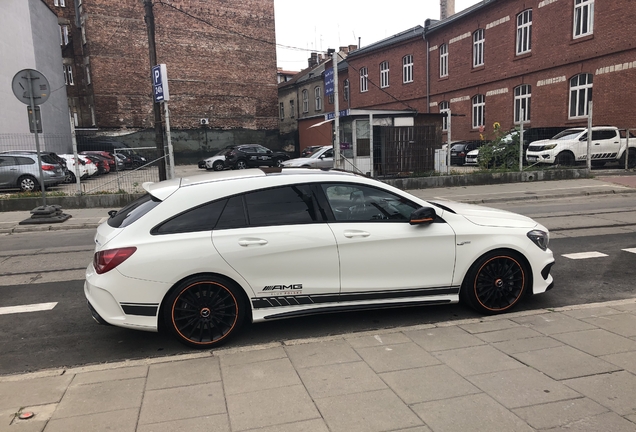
pixel 222 152
pixel 458 147
pixel 567 134
pixel 316 153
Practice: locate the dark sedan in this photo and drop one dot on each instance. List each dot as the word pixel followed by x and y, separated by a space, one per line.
pixel 253 155
pixel 459 150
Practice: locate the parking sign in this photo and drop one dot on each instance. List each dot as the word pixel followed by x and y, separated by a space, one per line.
pixel 160 83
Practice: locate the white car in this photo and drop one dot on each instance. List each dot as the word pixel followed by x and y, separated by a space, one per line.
pixel 70 164
pixel 319 158
pixel 472 157
pixel 203 254
pixel 215 162
pixel 90 165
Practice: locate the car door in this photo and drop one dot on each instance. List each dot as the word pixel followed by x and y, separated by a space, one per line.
pixel 605 144
pixel 8 171
pixel 380 251
pixel 325 160
pixel 263 156
pixel 279 242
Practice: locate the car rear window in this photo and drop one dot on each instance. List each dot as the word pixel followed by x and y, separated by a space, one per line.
pixel 133 211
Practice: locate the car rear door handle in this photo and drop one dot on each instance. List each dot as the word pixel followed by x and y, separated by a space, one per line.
pixel 252 241
pixel 352 234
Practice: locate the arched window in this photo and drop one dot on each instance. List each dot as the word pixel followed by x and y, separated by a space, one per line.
pixel 478 48
pixel 580 94
pixel 384 74
pixel 444 106
pixel 318 98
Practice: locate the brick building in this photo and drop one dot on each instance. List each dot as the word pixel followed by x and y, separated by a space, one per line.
pixel 490 61
pixel 220 57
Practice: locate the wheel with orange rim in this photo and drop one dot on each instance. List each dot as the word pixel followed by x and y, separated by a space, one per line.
pixel 496 282
pixel 204 311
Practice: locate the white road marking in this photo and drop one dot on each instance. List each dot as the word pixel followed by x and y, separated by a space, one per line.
pixel 632 250
pixel 584 255
pixel 27 308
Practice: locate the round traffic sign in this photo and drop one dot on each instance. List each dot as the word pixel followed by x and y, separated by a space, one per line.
pixel 29 82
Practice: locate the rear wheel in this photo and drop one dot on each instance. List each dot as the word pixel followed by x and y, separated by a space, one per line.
pixel 241 164
pixel 631 159
pixel 28 184
pixel 495 282
pixel 565 158
pixel 278 162
pixel 205 311
pixel 70 177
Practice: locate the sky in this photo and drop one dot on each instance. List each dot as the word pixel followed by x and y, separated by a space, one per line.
pixel 303 27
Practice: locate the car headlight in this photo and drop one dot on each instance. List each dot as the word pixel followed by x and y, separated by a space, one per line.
pixel 540 238
pixel 549 146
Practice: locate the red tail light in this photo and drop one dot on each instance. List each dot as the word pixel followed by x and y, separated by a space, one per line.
pixel 107 260
pixel 48 167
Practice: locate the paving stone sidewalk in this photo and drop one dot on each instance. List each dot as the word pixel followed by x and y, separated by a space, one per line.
pixel 572 368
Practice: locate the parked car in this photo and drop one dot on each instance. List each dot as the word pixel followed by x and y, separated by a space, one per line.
pixel 52 155
pixel 203 254
pixel 103 167
pixel 70 163
pixel 215 162
pixel 136 160
pixel 90 165
pixel 460 149
pixel 112 162
pixel 253 155
pixel 20 170
pixel 309 150
pixel 322 157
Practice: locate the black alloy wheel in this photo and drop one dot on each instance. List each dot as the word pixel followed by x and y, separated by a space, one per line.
pixel 496 282
pixel 278 162
pixel 565 158
pixel 204 312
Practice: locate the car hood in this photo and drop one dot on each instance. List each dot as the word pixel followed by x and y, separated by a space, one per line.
pixel 487 216
pixel 215 158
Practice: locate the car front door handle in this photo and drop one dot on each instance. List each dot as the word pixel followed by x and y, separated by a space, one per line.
pixel 352 234
pixel 252 241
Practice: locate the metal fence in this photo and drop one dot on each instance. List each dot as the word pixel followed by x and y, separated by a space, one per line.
pixel 139 165
pixel 404 151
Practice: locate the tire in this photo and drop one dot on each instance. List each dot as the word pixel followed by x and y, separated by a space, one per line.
pixel 278 162
pixel 631 160
pixel 218 166
pixel 70 177
pixel 204 311
pixel 28 184
pixel 565 158
pixel 241 164
pixel 495 282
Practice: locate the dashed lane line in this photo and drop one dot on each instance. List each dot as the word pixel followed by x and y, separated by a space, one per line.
pixel 584 255
pixel 27 308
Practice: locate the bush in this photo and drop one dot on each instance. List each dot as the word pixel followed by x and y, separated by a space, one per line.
pixel 501 152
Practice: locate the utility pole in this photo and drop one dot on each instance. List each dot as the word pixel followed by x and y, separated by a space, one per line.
pixel 150 24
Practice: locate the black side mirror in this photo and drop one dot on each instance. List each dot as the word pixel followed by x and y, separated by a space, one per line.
pixel 423 215
pixel 112 213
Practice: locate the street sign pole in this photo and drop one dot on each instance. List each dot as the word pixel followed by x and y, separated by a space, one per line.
pixel 30 80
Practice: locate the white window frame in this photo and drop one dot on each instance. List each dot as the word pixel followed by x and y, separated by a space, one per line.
pixel 580 95
pixel 305 101
pixel 443 60
pixel 345 89
pixel 522 98
pixel 83 32
pixel 88 75
pixel 524 32
pixel 292 109
pixel 59 3
pixel 281 112
pixel 444 105
pixel 479 111
pixel 583 23
pixel 407 69
pixel 63 35
pixel 68 75
pixel 318 98
pixel 478 47
pixel 384 74
pixel 364 80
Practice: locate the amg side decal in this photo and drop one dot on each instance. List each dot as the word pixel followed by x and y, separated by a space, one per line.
pixel 283 287
pixel 305 299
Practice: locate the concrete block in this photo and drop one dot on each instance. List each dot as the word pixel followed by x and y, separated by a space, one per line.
pixel 374 411
pixel 120 421
pixel 522 387
pixel 340 379
pixel 553 323
pixel 443 338
pixel 401 356
pixel 613 390
pixel 478 412
pixel 561 413
pixel 252 377
pixel 216 423
pixel 623 324
pixel 428 383
pixel 597 342
pixel 39 391
pixel 565 362
pixel 252 356
pixel 357 341
pixel 322 353
pixel 179 403
pixel 111 375
pixel 626 360
pixel 514 333
pixel 477 360
pixel 525 345
pixel 183 373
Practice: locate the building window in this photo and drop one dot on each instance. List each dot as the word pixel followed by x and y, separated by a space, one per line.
pixel 479 107
pixel 318 98
pixel 292 109
pixel 282 110
pixel 60 3
pixel 75 119
pixel 63 35
pixel 93 122
pixel 580 95
pixel 583 17
pixel 83 31
pixel 88 75
pixel 478 48
pixel 443 60
pixel 407 69
pixel 384 74
pixel 331 98
pixel 346 90
pixel 364 79
pixel 444 106
pixel 524 32
pixel 305 101
pixel 522 101
pixel 68 75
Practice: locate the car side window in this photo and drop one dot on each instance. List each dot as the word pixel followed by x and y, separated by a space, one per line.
pixel 233 215
pixel 7 161
pixel 288 205
pixel 328 154
pixel 20 160
pixel 261 149
pixel 201 218
pixel 358 203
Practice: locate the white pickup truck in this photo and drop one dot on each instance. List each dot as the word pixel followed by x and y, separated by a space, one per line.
pixel 570 146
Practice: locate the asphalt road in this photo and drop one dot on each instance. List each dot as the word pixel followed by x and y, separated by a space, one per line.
pixel 67 336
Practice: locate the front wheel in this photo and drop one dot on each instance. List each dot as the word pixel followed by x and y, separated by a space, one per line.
pixel 495 282
pixel 28 184
pixel 70 177
pixel 218 166
pixel 565 158
pixel 205 311
pixel 278 162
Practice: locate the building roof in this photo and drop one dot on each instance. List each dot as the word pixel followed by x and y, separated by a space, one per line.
pixel 433 25
pixel 417 31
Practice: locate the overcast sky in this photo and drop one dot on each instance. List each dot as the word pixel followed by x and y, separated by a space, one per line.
pixel 342 22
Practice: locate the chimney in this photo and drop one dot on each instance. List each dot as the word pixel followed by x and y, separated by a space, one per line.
pixel 313 60
pixel 447 8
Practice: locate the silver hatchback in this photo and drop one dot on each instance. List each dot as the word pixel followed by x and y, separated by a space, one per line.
pixel 20 171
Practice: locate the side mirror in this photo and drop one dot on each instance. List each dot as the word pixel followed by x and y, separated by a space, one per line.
pixel 112 213
pixel 423 215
